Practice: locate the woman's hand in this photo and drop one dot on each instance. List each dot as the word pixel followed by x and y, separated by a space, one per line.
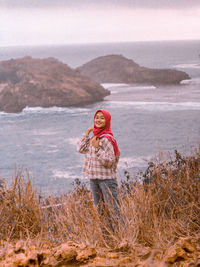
pixel 90 129
pixel 95 142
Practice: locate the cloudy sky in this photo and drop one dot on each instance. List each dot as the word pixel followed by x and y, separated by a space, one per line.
pixel 36 22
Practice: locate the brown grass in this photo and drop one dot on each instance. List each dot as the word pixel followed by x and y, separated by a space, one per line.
pixel 156 215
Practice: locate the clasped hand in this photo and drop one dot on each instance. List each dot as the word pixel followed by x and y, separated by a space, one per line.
pixel 95 139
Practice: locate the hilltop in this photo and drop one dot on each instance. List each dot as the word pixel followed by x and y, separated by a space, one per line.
pixel 160 225
pixel 44 82
pixel 119 69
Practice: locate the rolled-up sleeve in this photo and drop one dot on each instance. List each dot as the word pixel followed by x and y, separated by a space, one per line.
pixel 83 144
pixel 106 153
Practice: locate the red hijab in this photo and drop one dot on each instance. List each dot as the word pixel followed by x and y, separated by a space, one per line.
pixel 106 131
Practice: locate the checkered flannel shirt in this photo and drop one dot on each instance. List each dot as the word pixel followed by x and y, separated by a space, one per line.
pixel 98 165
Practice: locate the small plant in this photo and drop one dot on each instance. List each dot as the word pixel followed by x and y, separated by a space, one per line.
pixel 20 210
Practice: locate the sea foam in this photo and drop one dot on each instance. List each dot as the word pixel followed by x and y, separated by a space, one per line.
pixel 72 140
pixel 54 110
pixel 130 162
pixel 191 81
pixel 156 106
pixel 111 85
pixel 188 66
pixel 127 86
pixel 62 174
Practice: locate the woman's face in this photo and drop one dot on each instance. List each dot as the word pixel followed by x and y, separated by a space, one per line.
pixel 99 120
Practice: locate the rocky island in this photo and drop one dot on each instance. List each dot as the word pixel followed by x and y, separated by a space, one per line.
pixel 118 69
pixel 45 83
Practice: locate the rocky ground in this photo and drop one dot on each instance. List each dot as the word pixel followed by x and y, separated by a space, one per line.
pixel 186 252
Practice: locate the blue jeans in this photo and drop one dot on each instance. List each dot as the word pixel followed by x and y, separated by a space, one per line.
pixel 105 195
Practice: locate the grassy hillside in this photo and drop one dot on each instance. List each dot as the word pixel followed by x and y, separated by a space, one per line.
pixel 160 225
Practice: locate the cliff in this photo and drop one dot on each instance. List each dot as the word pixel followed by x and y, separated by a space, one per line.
pixel 118 69
pixel 45 83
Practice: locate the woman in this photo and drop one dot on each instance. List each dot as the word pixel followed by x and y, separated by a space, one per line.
pixel 101 159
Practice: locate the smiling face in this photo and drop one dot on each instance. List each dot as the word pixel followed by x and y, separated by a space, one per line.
pixel 99 120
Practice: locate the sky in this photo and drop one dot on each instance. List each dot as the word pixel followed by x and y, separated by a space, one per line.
pixel 53 22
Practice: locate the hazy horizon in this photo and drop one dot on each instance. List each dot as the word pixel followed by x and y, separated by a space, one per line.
pixel 100 43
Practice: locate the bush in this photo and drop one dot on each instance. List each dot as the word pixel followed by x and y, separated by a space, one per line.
pixel 155 214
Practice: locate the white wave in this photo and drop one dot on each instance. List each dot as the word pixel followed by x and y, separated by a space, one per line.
pixel 54 109
pixel 39 110
pixel 52 151
pixel 191 81
pixel 188 66
pixel 116 92
pixel 72 140
pixel 130 162
pixel 148 87
pixel 66 174
pixel 2 113
pixel 74 167
pixel 46 132
pixel 11 115
pixel 111 85
pixel 124 85
pixel 62 174
pixel 157 106
pixel 132 88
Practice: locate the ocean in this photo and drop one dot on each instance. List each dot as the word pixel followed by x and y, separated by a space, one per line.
pixel 147 120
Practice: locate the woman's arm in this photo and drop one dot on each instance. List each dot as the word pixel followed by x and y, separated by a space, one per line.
pixel 106 153
pixel 84 142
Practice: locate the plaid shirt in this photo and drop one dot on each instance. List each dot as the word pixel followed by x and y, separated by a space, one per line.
pixel 98 165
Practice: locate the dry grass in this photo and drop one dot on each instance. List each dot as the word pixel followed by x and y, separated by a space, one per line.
pixel 155 215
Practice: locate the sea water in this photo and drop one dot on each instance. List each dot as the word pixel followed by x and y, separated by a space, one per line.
pixel 146 119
